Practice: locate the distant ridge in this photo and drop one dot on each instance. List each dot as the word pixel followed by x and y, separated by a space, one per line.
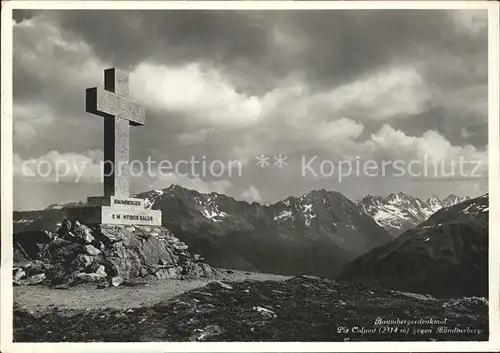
pixel 446 255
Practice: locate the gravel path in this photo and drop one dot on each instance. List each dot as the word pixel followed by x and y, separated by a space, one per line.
pixel 41 298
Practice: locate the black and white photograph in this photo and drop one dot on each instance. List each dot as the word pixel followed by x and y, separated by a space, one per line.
pixel 220 173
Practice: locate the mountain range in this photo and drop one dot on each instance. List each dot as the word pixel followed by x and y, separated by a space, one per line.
pixel 316 233
pixel 399 212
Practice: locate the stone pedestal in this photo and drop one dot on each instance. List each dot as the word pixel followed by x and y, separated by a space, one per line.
pixel 112 210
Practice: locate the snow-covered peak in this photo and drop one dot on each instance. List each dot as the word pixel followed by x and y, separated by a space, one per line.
pixel 400 211
pixel 453 200
pixel 400 197
pixel 370 199
pixel 475 208
pixel 434 203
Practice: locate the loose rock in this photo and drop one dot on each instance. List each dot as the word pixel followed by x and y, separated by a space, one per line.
pixel 18 273
pixel 36 279
pixel 116 281
pixel 99 276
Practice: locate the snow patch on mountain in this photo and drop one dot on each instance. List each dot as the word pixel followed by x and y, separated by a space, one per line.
pixel 209 207
pixel 24 221
pixel 482 205
pixel 309 214
pixel 213 215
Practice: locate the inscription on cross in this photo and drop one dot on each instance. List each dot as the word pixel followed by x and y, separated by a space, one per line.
pixel 119 112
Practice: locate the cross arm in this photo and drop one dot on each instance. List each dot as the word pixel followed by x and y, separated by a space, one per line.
pixel 105 103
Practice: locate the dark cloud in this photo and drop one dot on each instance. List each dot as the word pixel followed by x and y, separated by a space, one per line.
pixel 126 38
pixel 329 46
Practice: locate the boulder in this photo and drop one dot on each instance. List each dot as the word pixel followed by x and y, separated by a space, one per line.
pixel 196 270
pixel 34 268
pixel 135 255
pixel 90 277
pixel 64 229
pixel 110 234
pixel 30 281
pixel 64 251
pixel 168 273
pixel 101 271
pixel 180 245
pixel 57 274
pixel 82 261
pixel 125 268
pixel 74 225
pixel 83 233
pixel 91 250
pixel 207 270
pixel 98 276
pixel 155 252
pixel 18 273
pixel 94 267
pixel 20 257
pixel 143 272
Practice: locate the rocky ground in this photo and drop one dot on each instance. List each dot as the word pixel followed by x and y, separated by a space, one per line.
pixel 297 309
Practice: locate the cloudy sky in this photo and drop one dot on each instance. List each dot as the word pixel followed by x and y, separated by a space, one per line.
pixel 326 86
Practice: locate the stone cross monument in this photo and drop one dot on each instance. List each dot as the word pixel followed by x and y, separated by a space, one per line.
pixel 119 112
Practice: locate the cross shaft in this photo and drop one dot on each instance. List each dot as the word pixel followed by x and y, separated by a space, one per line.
pixel 119 112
